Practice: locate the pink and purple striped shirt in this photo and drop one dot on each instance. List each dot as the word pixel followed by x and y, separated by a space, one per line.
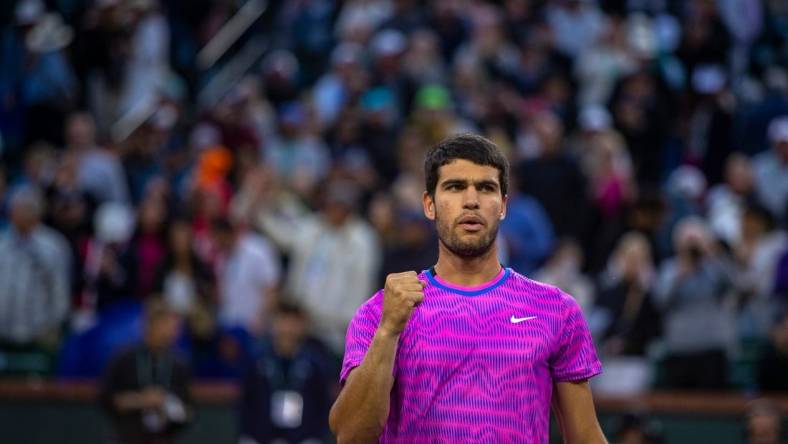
pixel 478 364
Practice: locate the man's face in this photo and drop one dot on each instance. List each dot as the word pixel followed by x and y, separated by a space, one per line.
pixel 80 131
pixel 781 148
pixel 24 217
pixel 164 330
pixel 467 207
pixel 224 239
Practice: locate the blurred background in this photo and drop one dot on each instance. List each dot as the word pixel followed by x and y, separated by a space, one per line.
pixel 196 195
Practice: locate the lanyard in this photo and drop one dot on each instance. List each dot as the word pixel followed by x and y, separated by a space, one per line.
pixel 147 375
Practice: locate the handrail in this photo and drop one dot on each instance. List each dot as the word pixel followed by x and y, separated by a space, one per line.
pixel 87 391
pixel 224 393
pixel 232 72
pixel 232 30
pixel 219 44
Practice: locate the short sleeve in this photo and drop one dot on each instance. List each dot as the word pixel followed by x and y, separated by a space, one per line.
pixel 574 357
pixel 360 333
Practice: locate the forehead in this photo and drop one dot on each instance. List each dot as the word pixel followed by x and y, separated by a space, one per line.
pixel 461 169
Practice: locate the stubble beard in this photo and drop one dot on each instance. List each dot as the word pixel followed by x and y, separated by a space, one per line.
pixel 468 249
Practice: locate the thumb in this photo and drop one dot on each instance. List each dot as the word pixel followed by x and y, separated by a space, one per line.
pixel 423 283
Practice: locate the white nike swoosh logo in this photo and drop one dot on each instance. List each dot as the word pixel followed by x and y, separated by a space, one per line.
pixel 515 320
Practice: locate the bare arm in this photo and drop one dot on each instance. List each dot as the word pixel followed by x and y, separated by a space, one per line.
pixel 360 413
pixel 150 398
pixel 362 408
pixel 574 408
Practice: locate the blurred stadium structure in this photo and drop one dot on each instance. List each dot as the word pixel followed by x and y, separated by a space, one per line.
pixel 224 155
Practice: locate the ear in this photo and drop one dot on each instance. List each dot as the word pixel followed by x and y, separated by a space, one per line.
pixel 504 203
pixel 429 205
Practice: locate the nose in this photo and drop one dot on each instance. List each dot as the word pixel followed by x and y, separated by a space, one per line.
pixel 471 199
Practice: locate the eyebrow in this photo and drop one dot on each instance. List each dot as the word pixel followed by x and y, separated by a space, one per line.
pixel 464 182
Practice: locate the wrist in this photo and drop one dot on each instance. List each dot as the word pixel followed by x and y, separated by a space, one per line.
pixel 387 333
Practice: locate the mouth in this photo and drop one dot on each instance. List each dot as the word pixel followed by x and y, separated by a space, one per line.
pixel 471 223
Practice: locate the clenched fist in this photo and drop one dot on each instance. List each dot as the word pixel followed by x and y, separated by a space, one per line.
pixel 403 292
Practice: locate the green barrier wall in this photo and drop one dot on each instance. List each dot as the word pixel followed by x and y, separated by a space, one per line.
pixel 75 422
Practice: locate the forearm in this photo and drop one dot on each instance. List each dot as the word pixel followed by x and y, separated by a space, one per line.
pixel 361 411
pixel 128 401
pixel 574 410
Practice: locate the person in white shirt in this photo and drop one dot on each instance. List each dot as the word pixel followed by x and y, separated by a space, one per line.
pixel 334 260
pixel 248 276
pixel 35 275
pixel 771 169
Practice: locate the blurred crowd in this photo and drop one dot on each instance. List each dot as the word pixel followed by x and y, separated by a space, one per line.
pixel 648 141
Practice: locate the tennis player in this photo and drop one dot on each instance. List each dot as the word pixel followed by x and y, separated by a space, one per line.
pixel 467 351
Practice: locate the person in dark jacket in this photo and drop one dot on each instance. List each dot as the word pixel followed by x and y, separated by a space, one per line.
pixel 287 386
pixel 773 365
pixel 145 389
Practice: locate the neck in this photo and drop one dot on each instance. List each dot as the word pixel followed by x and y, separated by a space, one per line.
pixel 153 345
pixel 465 271
pixel 23 232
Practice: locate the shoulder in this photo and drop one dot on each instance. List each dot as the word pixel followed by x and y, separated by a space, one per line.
pixel 361 228
pixel 764 160
pixel 52 239
pixel 367 316
pixel 257 245
pixel 372 305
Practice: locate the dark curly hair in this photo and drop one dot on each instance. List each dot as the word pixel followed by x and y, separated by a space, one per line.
pixel 471 147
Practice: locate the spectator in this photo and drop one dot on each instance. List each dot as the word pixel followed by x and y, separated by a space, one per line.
pixel 14 52
pixel 408 242
pixel 600 67
pixel 422 61
pixel 145 389
pixel 69 210
pixel 149 245
pixel 609 170
pixel 300 158
pixel 527 232
pixel 640 113
pixel 48 84
pixel 338 87
pixel 35 275
pixel 625 299
pixel 39 162
pixel 705 40
pixel 726 201
pixel 771 169
pixel 764 423
pixel 334 259
pixel 109 262
pixel 554 178
pixel 757 255
pixel 100 172
pixel 184 280
pixel 379 119
pixel 576 24
pixel 287 386
pixel 709 124
pixel 147 65
pixel 247 277
pixel 691 291
pixel 563 270
pixel 773 363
